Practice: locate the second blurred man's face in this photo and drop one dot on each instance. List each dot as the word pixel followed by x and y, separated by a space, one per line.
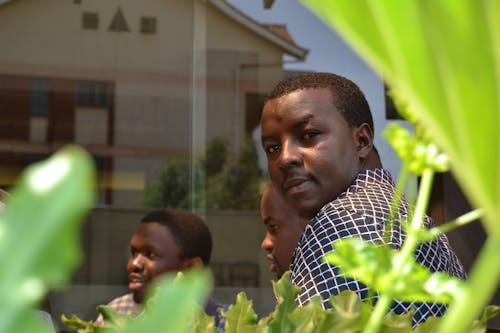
pixel 283 230
pixel 154 251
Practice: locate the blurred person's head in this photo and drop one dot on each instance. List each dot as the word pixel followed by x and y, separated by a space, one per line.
pixel 170 240
pixel 283 230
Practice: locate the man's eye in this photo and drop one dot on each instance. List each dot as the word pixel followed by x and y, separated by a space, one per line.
pixel 309 135
pixel 272 149
pixel 273 228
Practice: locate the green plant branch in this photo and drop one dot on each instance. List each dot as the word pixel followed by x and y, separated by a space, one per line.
pixel 458 222
pixel 482 283
pixel 406 252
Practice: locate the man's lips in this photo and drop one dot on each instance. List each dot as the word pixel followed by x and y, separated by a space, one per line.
pixel 294 183
pixel 273 266
pixel 137 281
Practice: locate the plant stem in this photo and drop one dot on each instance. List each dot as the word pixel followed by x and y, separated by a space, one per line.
pixel 482 283
pixel 407 250
pixel 458 222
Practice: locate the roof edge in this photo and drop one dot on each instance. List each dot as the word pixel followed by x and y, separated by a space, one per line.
pixel 296 51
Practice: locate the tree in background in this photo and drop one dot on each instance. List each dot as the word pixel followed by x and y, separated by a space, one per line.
pixel 231 182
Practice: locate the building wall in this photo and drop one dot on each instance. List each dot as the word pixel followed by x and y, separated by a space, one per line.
pixel 153 115
pixel 169 93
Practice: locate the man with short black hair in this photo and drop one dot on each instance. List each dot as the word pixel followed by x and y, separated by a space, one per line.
pixel 166 241
pixel 317 132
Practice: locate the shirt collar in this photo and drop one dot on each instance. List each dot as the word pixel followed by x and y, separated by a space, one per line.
pixel 367 178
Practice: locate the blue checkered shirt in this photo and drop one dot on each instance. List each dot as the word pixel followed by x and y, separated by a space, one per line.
pixel 361 211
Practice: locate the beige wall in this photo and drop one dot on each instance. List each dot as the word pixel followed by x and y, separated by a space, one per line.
pixel 155 105
pixel 50 32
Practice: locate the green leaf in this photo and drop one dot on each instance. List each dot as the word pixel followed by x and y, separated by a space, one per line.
pixel 241 317
pixel 372 265
pixel 40 224
pixel 394 323
pixel 172 303
pixel 202 322
pixel 311 318
pixel 79 325
pixel 351 313
pixel 429 325
pixel 285 293
pixel 111 317
pixel 489 312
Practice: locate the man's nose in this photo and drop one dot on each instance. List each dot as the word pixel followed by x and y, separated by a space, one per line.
pixel 267 243
pixel 137 261
pixel 290 154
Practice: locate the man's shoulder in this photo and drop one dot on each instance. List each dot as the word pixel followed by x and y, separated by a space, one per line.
pixel 371 190
pixel 122 299
pixel 124 305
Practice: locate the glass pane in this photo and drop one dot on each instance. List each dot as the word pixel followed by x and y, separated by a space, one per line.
pixel 167 97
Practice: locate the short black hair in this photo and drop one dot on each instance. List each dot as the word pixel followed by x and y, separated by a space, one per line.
pixel 347 97
pixel 188 229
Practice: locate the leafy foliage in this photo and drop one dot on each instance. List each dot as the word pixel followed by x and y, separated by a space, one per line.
pixel 241 316
pixel 372 265
pixel 237 185
pixel 173 186
pixel 347 314
pixel 39 234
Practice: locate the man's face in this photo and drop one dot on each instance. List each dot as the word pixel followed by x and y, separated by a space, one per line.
pixel 153 252
pixel 312 152
pixel 283 230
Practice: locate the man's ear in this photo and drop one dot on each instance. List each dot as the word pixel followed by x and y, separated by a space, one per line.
pixel 364 140
pixel 192 262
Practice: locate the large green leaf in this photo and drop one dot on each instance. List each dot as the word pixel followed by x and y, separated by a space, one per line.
pixel 173 305
pixel 286 293
pixel 241 317
pixel 39 234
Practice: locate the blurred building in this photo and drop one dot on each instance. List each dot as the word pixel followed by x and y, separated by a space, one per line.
pixel 137 83
pixel 133 82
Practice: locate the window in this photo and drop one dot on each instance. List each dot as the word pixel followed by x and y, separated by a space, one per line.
pixel 148 25
pixel 40 88
pixel 92 93
pixel 90 21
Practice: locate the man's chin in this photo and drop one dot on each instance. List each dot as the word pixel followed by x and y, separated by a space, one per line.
pixel 279 273
pixel 306 209
pixel 138 295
